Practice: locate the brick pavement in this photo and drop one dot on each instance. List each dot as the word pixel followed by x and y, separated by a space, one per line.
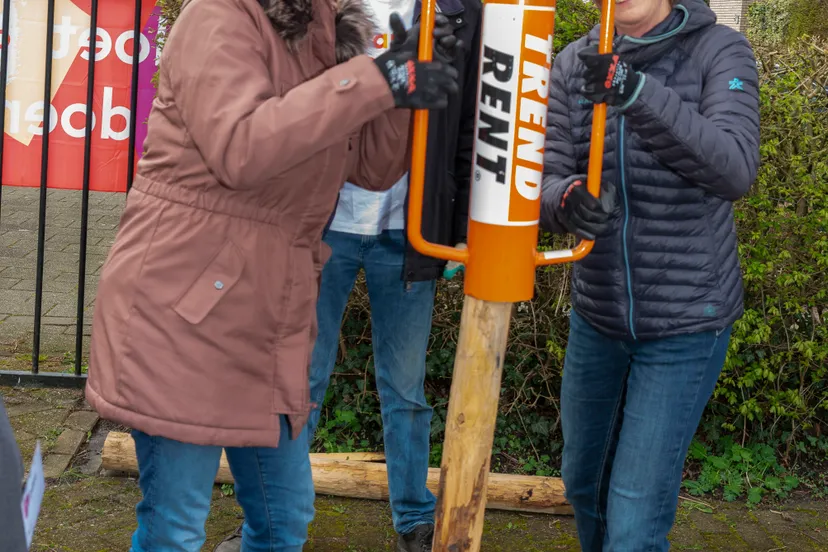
pixel 19 209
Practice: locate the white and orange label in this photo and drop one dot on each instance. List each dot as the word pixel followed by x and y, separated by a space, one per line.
pixel 510 130
pixel 381 41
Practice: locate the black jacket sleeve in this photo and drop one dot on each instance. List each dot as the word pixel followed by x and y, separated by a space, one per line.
pixel 464 156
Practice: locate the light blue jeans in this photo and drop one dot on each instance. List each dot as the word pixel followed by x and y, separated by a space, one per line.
pixel 273 487
pixel 629 411
pixel 400 329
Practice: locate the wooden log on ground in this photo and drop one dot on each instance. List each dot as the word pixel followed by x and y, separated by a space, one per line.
pixel 369 479
pixel 352 456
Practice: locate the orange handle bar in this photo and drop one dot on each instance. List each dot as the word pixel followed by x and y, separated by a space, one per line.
pixel 596 148
pixel 418 159
pixel 419 143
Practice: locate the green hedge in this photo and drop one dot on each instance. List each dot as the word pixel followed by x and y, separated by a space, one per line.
pixel 788 21
pixel 773 388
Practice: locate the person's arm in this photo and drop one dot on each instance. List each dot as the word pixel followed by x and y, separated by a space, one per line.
pixel 715 145
pixel 559 168
pixel 383 155
pixel 248 132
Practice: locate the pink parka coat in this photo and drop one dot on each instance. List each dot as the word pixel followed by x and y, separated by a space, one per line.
pixel 205 314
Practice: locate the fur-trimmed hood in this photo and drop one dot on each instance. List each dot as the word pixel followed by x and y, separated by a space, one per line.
pixel 354 25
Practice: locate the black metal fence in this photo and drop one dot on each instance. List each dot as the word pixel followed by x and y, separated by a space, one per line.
pixel 35 376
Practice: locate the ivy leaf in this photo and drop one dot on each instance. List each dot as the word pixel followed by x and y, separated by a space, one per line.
pixel 791 483
pixel 755 495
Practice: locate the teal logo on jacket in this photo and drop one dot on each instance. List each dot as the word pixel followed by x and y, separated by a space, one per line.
pixel 737 84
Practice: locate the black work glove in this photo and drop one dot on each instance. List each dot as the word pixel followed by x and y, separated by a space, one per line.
pixel 583 214
pixel 609 79
pixel 446 45
pixel 415 84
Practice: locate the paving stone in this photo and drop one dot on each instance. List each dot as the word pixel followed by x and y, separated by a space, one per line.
pixel 57 398
pixel 811 521
pixel 19 321
pixel 50 285
pixel 72 277
pixel 43 423
pixel 61 258
pixel 91 249
pixel 20 271
pixel 82 420
pixel 18 258
pixel 9 238
pixel 69 441
pixel 778 521
pixel 16 302
pixel 65 321
pixel 8 283
pixel 55 464
pixel 54 340
pixel 21 409
pixel 19 251
pixel 65 307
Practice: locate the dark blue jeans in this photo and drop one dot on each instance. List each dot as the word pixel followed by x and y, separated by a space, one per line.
pixel 273 486
pixel 629 411
pixel 400 329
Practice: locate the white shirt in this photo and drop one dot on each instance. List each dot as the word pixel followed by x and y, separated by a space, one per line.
pixel 360 211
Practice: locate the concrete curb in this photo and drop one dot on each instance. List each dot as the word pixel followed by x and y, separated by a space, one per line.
pixel 76 427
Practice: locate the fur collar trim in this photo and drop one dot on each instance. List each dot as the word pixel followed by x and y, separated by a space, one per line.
pixel 354 25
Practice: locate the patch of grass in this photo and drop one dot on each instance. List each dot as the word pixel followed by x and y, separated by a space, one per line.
pixel 752 472
pixel 52 435
pixel 71 369
pixel 28 357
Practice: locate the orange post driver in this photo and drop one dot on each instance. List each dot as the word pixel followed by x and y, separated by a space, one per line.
pixel 510 126
pixel 502 256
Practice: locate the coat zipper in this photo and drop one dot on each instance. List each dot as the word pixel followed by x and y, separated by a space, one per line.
pixel 624 244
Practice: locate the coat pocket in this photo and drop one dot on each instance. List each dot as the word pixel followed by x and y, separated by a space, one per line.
pixel 214 282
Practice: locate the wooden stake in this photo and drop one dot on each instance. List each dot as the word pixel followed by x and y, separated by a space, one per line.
pixel 369 480
pixel 470 425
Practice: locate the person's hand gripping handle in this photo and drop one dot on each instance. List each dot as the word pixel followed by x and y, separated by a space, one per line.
pixel 416 84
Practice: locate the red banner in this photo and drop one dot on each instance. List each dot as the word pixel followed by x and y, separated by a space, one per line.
pixel 24 106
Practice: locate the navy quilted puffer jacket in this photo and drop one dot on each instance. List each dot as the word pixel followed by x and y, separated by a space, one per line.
pixel 680 154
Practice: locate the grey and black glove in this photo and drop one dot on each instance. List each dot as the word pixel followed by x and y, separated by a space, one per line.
pixel 609 79
pixel 413 83
pixel 446 44
pixel 583 214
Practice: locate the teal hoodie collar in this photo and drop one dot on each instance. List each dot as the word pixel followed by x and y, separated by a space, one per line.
pixel 657 34
pixel 687 17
